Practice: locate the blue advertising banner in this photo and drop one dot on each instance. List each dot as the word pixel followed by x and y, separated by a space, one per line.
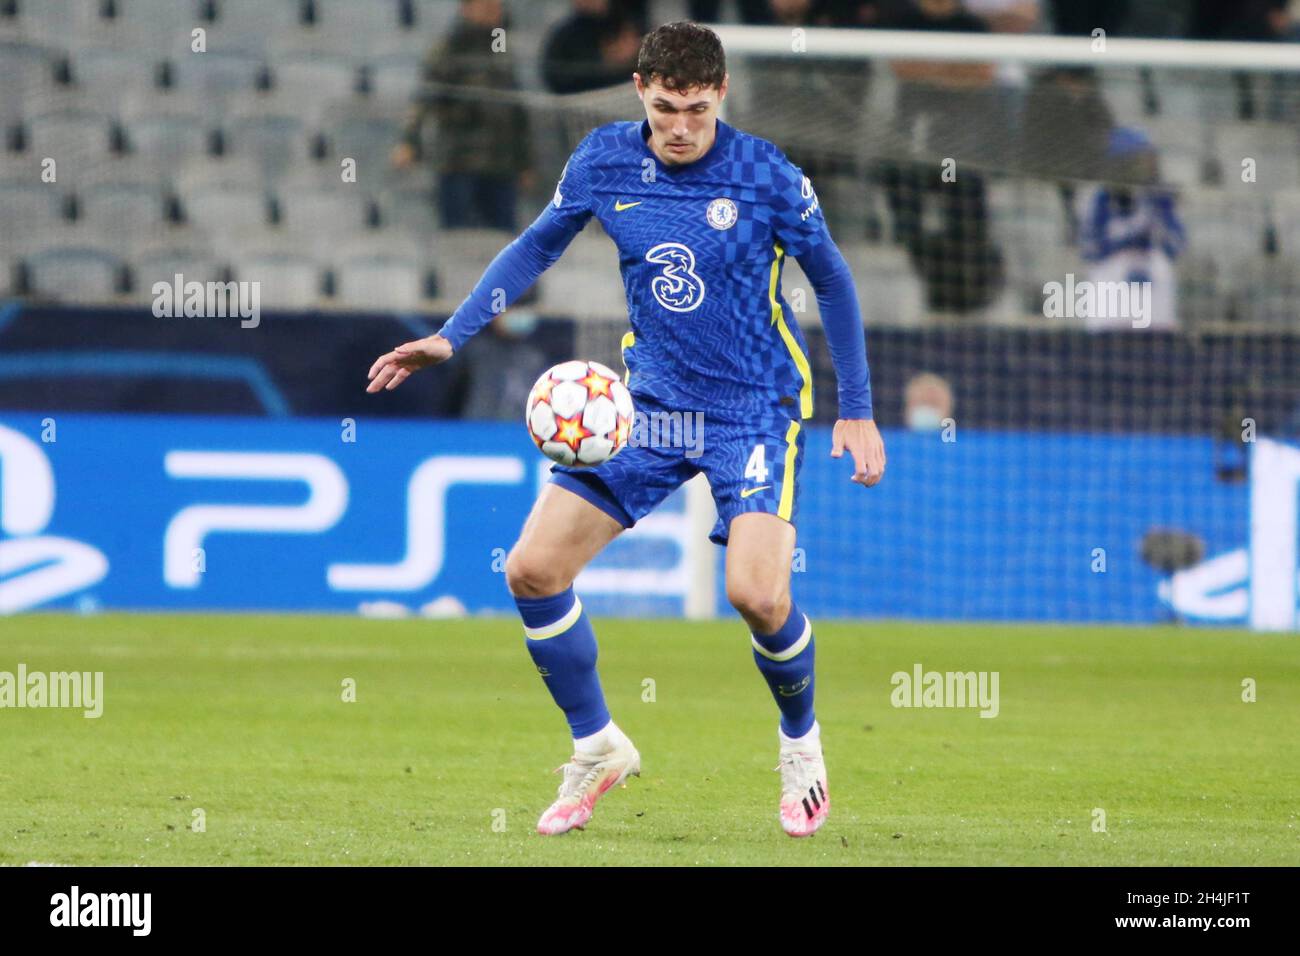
pixel 389 516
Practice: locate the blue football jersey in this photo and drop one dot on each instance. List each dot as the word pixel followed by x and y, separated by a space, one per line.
pixel 701 248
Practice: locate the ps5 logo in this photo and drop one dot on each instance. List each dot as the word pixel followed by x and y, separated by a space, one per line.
pixel 327 500
pixel 35 567
pixel 1259 583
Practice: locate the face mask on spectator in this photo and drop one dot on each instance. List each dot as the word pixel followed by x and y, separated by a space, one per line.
pixel 519 323
pixel 924 418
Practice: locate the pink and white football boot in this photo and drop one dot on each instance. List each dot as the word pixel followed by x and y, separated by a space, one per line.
pixel 586 778
pixel 805 802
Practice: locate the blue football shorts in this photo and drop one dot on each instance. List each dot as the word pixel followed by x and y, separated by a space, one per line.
pixel 751 466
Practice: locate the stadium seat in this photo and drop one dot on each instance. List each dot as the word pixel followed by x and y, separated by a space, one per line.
pixel 110 79
pixel 1275 147
pixel 161 25
pixel 433 17
pixel 380 283
pixel 163 143
pixel 74 274
pixel 28 73
pixel 226 212
pixel 212 81
pixel 32 215
pixel 367 140
pixel 254 25
pixel 75 139
pixel 1223 222
pixel 584 284
pixel 321 218
pixel 308 85
pixel 128 213
pixel 411 212
pixel 62 23
pixel 274 144
pixel 286 281
pixel 1182 168
pixel 1286 222
pixel 1171 134
pixel 163 265
pixel 393 81
pixel 356 27
pixel 889 292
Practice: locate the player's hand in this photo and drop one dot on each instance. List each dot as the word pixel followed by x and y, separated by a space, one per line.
pixel 862 439
pixel 393 368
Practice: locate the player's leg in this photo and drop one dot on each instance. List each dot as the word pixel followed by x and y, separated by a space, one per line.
pixel 563 533
pixel 753 474
pixel 580 512
pixel 759 553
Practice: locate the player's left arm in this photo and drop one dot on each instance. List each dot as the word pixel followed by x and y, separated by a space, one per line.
pixel 837 300
pixel 800 227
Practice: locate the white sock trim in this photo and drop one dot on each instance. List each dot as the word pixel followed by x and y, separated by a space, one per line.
pixel 559 627
pixel 602 740
pixel 814 735
pixel 794 650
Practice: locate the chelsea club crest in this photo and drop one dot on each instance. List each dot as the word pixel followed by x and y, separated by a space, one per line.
pixel 722 214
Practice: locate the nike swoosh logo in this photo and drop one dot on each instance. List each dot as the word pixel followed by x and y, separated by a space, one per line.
pixel 753 491
pixel 620 206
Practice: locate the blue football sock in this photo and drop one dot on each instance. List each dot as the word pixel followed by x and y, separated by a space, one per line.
pixel 785 659
pixel 563 646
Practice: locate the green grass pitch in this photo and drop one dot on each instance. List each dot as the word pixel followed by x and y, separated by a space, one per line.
pixel 444 756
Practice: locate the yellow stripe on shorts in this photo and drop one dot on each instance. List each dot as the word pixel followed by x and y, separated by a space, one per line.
pixel 786 506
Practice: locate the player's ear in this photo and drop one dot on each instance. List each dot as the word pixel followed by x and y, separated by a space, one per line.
pixel 722 90
pixel 640 86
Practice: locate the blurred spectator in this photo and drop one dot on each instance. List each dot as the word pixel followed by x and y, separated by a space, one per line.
pixel 927 401
pixel 1006 16
pixel 1256 20
pixel 480 150
pixel 944 107
pixel 945 227
pixel 947 111
pixel 1130 230
pixel 1240 20
pixel 710 11
pixel 595 47
pixel 503 365
pixel 1066 128
pixel 820 13
pixel 778 85
pixel 1081 17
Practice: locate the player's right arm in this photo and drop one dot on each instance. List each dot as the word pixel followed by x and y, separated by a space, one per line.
pixel 510 274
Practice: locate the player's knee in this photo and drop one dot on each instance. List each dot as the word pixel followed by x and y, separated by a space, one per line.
pixel 527 575
pixel 764 609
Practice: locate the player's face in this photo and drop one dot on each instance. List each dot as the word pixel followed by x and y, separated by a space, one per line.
pixel 682 125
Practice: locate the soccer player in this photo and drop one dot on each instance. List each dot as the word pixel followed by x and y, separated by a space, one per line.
pixel 704 216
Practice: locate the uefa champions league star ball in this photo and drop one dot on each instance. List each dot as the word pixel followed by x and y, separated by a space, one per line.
pixel 579 413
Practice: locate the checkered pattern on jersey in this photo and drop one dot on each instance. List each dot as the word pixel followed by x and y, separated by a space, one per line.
pixel 698 248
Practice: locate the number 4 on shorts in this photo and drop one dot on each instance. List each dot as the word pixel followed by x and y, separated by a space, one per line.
pixel 756 467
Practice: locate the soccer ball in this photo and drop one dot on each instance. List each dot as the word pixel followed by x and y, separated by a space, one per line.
pixel 579 413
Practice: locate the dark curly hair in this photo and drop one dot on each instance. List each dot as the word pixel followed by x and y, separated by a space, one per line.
pixel 682 56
